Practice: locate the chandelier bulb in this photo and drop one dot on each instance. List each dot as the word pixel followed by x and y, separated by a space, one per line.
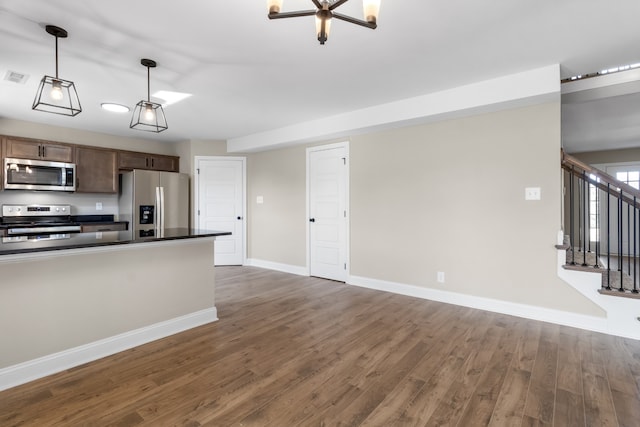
pixel 149 114
pixel 56 90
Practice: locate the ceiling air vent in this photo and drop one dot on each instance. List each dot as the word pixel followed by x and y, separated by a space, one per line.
pixel 15 77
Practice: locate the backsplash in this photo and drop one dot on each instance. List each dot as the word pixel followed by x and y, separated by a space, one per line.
pixel 81 204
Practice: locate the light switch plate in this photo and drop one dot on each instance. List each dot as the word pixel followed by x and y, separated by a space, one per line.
pixel 98 206
pixel 259 200
pixel 532 193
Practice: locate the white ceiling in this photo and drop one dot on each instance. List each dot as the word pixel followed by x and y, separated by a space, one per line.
pixel 248 74
pixel 602 113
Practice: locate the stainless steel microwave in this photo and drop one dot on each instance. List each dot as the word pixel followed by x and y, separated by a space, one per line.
pixel 21 174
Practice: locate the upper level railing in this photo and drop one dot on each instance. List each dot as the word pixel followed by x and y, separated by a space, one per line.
pixel 603 225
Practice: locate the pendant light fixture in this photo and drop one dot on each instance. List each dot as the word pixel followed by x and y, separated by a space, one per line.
pixel 56 95
pixel 324 12
pixel 147 115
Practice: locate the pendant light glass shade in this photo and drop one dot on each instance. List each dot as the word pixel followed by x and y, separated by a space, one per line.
pixel 323 25
pixel 56 95
pixel 274 6
pixel 147 115
pixel 371 10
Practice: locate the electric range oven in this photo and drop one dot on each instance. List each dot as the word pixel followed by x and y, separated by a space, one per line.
pixel 37 222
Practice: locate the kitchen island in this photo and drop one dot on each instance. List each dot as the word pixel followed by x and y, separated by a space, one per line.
pixel 67 301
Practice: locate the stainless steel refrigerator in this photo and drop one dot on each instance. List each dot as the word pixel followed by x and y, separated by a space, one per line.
pixel 153 201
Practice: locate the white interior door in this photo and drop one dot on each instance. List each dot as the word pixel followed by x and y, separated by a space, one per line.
pixel 220 205
pixel 327 191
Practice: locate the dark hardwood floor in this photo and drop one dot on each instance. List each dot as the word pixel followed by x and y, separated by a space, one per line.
pixel 298 351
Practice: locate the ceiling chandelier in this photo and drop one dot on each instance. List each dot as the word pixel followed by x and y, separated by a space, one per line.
pixel 56 95
pixel 325 11
pixel 147 115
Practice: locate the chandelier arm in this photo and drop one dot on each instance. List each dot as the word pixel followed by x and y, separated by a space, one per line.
pixel 360 22
pixel 292 14
pixel 318 4
pixel 336 4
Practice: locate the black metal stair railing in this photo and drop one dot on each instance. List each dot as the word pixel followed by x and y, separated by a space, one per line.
pixel 603 236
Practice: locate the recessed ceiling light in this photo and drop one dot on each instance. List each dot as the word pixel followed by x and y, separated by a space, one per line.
pixel 114 108
pixel 170 97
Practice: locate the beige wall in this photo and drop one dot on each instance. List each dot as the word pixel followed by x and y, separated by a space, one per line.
pixel 408 220
pixel 609 156
pixel 187 150
pixel 277 228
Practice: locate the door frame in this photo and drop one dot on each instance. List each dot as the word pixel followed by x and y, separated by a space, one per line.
pixel 347 240
pixel 196 195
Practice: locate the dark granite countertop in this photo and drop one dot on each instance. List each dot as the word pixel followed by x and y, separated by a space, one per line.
pixel 86 219
pixel 107 219
pixel 18 245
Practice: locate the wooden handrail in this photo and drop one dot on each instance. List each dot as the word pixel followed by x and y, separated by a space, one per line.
pixel 617 188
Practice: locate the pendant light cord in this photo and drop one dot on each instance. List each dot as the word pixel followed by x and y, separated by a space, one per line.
pixel 56 57
pixel 148 84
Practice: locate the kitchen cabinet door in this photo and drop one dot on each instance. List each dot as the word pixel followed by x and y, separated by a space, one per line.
pixel 22 149
pixel 128 160
pixel 37 150
pixel 165 163
pixel 96 170
pixel 57 152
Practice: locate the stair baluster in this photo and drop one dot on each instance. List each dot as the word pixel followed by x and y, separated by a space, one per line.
pixel 635 247
pixel 620 260
pixel 587 225
pixel 608 287
pixel 596 264
pixel 571 218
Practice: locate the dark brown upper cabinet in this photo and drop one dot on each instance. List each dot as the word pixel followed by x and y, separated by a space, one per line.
pixel 128 160
pixel 96 170
pixel 37 150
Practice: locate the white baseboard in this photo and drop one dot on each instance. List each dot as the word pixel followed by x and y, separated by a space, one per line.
pixel 57 362
pixel 285 268
pixel 591 323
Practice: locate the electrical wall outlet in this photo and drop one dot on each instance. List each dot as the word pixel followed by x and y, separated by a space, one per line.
pixel 98 206
pixel 532 193
pixel 440 277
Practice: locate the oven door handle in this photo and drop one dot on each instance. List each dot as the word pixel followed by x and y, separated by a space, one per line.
pixel 34 230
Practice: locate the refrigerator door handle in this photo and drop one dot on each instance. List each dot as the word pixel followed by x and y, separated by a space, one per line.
pixel 162 210
pixel 157 211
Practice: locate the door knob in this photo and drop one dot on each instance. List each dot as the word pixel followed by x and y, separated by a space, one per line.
pixel 239 217
pixel 312 220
